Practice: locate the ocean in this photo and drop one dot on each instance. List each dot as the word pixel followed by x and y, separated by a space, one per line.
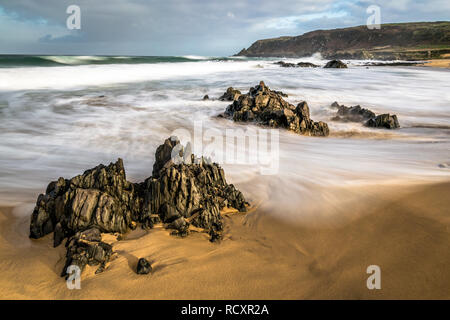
pixel 61 115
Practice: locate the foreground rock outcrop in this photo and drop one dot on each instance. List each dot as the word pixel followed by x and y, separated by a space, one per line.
pixel 182 190
pixel 268 107
pixel 358 114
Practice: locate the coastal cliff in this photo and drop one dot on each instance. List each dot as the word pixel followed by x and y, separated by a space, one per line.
pixel 405 41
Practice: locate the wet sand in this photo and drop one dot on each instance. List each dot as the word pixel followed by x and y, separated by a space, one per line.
pixel 437 63
pixel 403 229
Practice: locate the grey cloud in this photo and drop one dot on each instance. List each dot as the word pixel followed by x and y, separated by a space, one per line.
pixel 209 27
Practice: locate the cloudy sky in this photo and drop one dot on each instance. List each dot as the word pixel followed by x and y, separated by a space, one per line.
pixel 182 27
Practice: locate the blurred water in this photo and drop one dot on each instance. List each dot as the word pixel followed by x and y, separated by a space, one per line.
pixel 60 121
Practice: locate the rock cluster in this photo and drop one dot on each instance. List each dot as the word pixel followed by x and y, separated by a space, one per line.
pixel 182 190
pixel 352 114
pixel 386 121
pixel 358 114
pixel 101 197
pixel 335 64
pixel 268 107
pixel 297 65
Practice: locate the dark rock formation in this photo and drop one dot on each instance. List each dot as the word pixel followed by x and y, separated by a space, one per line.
pixel 86 248
pixel 205 97
pixel 230 95
pixel 335 64
pixel 102 200
pixel 386 121
pixel 268 107
pixel 358 114
pixel 297 65
pixel 187 186
pixel 143 266
pixel 100 197
pixel 352 114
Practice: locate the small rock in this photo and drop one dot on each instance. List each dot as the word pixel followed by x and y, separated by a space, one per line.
pixel 386 121
pixel 336 64
pixel 206 97
pixel 143 266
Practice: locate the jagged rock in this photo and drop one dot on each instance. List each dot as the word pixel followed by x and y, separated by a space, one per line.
pixel 296 65
pixel 163 154
pixel 335 64
pixel 268 107
pixel 335 105
pixel 386 121
pixel 192 186
pixel 102 200
pixel 205 97
pixel 101 197
pixel 230 95
pixel 352 114
pixel 143 266
pixel 86 248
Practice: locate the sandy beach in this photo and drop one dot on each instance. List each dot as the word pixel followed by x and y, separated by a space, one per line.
pixel 403 229
pixel 438 63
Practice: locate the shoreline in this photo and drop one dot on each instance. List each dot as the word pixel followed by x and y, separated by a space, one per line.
pixel 402 228
pixel 437 63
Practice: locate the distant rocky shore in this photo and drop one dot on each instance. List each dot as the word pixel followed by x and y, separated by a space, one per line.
pixel 183 190
pixel 393 41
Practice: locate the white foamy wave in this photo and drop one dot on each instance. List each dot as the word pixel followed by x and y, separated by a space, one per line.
pixel 57 78
pixel 193 57
pixel 73 60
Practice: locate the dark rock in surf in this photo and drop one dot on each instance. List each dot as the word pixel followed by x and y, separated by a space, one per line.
pixel 307 65
pixel 206 97
pixel 385 121
pixel 296 65
pixel 268 107
pixel 358 114
pixel 143 266
pixel 336 64
pixel 352 114
pixel 230 95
